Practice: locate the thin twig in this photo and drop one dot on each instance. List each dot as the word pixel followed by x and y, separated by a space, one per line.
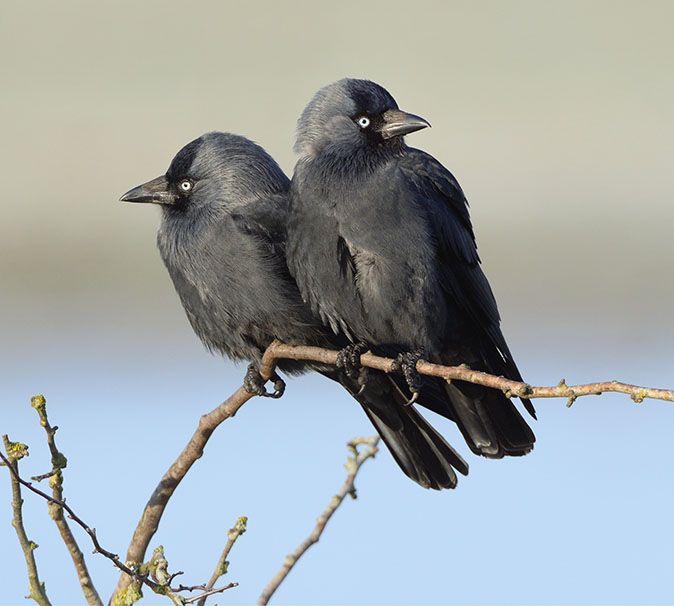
pixel 157 567
pixel 154 509
pixel 73 516
pixel 59 462
pixel 353 465
pixel 203 596
pixel 149 522
pixel 278 350
pixel 44 476
pixel 16 451
pixel 201 587
pixel 221 567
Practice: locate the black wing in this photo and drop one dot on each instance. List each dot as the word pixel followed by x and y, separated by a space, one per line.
pixel 462 278
pixel 322 264
pixel 489 421
pixel 265 219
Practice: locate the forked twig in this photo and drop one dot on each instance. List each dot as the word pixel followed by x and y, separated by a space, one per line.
pixel 141 574
pixel 151 516
pixel 59 462
pixel 16 451
pixel 353 465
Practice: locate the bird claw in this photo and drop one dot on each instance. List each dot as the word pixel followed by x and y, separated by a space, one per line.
pixel 255 384
pixel 406 364
pixel 413 399
pixel 348 359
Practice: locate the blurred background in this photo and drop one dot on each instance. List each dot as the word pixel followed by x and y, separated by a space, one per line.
pixel 557 120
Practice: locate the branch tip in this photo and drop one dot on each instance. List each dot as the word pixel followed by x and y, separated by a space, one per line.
pixel 353 464
pixel 151 516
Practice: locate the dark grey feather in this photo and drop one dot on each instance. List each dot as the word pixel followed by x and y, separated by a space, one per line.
pixel 223 244
pixel 381 244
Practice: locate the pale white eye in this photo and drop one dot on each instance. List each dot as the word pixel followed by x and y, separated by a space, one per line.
pixel 363 121
pixel 185 185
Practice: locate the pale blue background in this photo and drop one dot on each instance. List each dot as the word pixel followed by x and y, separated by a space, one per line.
pixel 557 120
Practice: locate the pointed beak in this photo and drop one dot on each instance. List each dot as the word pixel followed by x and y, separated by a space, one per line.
pixel 398 123
pixel 156 191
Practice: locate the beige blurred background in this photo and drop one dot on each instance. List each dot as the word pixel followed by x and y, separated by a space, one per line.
pixel 556 118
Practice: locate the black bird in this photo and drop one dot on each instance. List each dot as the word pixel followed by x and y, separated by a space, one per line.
pixel 224 204
pixel 382 248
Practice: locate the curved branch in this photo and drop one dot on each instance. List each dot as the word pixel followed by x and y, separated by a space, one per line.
pixel 154 509
pixel 16 451
pixel 353 465
pixel 278 350
pixel 157 568
pixel 59 462
pixel 149 522
pixel 73 516
pixel 221 567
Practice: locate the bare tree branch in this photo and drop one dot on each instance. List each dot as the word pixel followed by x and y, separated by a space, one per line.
pixel 157 567
pixel 149 522
pixel 154 509
pixel 16 451
pixel 203 596
pixel 73 516
pixel 59 462
pixel 221 567
pixel 353 465
pixel 278 350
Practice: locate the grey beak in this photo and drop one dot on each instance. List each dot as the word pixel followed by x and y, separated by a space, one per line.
pixel 397 123
pixel 156 191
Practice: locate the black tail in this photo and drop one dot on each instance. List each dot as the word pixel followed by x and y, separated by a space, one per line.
pixel 420 451
pixel 490 422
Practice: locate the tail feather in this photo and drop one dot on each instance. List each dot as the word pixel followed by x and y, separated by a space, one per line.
pixel 472 420
pixel 489 421
pixel 420 451
pixel 415 453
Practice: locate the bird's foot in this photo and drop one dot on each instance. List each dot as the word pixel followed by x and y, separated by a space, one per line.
pixel 406 364
pixel 348 360
pixel 255 384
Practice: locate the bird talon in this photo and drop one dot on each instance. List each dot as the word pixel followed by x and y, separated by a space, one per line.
pixel 413 399
pixel 348 359
pixel 406 364
pixel 279 387
pixel 255 384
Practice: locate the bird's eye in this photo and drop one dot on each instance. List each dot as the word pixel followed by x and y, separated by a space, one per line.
pixel 185 185
pixel 363 121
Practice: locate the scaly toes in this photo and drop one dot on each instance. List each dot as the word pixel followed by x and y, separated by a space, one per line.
pixel 357 350
pixel 253 381
pixel 348 359
pixel 406 363
pixel 279 387
pixel 255 384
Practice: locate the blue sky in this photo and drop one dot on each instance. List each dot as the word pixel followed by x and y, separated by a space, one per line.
pixel 583 519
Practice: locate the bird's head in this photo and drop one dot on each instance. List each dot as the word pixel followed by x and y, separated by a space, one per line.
pixel 217 170
pixel 352 114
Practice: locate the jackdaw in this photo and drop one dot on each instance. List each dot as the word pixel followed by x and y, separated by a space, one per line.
pixel 224 205
pixel 382 248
